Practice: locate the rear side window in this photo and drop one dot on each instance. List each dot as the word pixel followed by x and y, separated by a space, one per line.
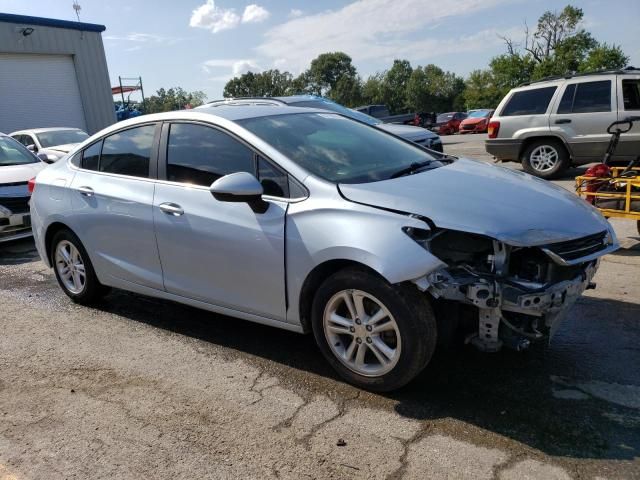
pixel 200 155
pixel 91 157
pixel 631 94
pixel 128 152
pixel 592 97
pixel 529 102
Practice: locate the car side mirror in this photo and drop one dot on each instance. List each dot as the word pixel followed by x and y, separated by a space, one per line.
pixel 32 148
pixel 240 187
pixel 44 157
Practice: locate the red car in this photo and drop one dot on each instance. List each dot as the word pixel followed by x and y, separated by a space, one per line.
pixel 448 123
pixel 476 122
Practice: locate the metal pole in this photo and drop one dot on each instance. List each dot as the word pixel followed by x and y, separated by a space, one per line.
pixel 121 91
pixel 144 107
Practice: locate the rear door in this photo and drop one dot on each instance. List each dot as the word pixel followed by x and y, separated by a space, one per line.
pixel 112 197
pixel 629 106
pixel 585 109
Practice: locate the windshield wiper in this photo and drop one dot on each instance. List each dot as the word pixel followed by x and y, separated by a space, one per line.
pixel 413 168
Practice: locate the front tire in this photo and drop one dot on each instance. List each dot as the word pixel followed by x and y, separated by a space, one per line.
pixel 73 269
pixel 377 336
pixel 545 158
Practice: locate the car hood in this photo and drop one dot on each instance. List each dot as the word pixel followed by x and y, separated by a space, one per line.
pixel 406 131
pixel 66 148
pixel 473 121
pixel 20 173
pixel 475 197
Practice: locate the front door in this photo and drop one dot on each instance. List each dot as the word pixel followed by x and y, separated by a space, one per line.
pixel 585 110
pixel 222 253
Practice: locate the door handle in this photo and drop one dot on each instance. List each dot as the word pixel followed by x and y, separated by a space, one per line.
pixel 171 209
pixel 560 121
pixel 86 191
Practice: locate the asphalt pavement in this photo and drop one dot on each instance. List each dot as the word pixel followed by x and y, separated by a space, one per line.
pixel 143 388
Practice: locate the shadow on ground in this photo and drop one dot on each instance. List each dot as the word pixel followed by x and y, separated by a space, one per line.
pixel 507 393
pixel 16 252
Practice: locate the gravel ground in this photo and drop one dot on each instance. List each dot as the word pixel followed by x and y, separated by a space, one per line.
pixel 142 388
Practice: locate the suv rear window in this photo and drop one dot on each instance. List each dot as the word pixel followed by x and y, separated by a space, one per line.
pixel 631 94
pixel 529 102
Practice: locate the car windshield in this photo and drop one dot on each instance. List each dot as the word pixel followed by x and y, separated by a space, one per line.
pixel 444 117
pixel 61 137
pixel 14 153
pixel 337 148
pixel 479 114
pixel 336 107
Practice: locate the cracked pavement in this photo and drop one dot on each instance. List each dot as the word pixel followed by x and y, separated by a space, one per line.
pixel 143 388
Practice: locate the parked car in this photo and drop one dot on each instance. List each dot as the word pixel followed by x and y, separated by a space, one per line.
pixel 417 135
pixel 381 112
pixel 51 143
pixel 449 123
pixel 477 121
pixel 553 124
pixel 310 221
pixel 17 166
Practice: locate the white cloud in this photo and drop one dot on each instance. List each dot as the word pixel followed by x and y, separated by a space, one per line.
pixel 374 29
pixel 214 18
pixel 226 68
pixel 254 14
pixel 140 39
pixel 295 13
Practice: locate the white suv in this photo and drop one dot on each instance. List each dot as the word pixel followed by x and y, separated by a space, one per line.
pixel 555 123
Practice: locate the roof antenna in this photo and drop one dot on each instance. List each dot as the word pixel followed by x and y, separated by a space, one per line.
pixel 77 8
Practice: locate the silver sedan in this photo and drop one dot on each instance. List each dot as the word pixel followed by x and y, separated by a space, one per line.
pixel 313 222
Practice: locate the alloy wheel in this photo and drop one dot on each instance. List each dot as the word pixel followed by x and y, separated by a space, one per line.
pixel 544 158
pixel 362 333
pixel 70 267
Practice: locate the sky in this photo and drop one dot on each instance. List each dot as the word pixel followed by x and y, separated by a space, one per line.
pixel 201 44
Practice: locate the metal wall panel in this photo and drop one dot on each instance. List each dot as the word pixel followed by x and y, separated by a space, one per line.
pixel 87 51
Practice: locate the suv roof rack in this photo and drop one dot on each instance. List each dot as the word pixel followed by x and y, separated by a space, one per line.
pixel 622 71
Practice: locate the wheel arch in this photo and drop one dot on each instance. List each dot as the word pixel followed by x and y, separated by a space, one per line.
pixel 526 142
pixel 315 278
pixel 51 231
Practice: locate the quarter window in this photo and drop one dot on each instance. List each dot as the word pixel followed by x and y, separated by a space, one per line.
pixel 199 155
pixel 128 152
pixel 91 157
pixel 529 102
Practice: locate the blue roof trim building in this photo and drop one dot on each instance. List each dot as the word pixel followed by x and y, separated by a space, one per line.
pixel 51 22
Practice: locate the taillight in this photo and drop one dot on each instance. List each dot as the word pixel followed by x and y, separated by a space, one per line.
pixel 31 185
pixel 493 129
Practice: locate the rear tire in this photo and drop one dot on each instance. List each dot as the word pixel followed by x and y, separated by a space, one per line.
pixel 392 342
pixel 73 269
pixel 545 158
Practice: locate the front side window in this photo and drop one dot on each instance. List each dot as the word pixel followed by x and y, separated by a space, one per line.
pixel 566 103
pixel 529 102
pixel 592 97
pixel 128 152
pixel 14 153
pixel 199 155
pixel 336 148
pixel 274 181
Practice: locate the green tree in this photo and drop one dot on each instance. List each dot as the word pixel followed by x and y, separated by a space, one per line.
pixel 604 57
pixel 327 70
pixel 173 99
pixel 394 85
pixel 372 90
pixel 431 89
pixel 270 83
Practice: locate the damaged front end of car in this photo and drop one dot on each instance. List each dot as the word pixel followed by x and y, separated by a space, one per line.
pixel 518 294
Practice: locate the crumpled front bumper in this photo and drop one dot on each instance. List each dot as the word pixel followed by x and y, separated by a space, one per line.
pixel 497 298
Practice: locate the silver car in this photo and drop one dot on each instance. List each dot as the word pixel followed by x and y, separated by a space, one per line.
pixel 313 222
